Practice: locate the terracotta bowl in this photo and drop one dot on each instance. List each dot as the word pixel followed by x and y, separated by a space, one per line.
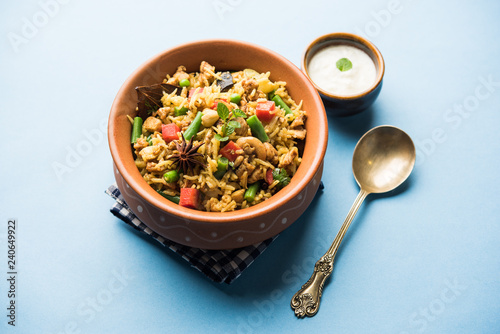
pixel 212 230
pixel 347 105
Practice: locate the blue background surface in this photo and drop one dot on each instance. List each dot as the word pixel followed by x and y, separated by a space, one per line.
pixel 424 261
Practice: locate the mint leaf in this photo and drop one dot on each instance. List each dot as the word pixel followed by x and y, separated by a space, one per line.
pixel 234 124
pixel 227 130
pixel 220 138
pixel 344 64
pixel 239 113
pixel 229 127
pixel 222 111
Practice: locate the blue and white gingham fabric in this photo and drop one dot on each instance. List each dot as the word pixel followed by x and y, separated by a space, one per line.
pixel 218 265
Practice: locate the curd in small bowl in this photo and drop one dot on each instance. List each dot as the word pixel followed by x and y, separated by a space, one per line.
pixel 346 69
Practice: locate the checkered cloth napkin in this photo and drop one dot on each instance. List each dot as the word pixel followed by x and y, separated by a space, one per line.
pixel 218 265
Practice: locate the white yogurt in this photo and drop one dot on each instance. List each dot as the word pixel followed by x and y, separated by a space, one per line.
pixel 323 70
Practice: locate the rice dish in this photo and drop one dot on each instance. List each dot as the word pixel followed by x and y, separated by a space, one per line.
pixel 217 141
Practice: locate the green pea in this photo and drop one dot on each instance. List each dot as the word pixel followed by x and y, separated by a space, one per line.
pixel 235 98
pixel 171 176
pixel 184 83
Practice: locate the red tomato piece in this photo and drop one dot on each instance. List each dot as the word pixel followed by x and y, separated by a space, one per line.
pixel 195 91
pixel 264 111
pixel 229 151
pixel 169 132
pixel 269 176
pixel 216 102
pixel 190 198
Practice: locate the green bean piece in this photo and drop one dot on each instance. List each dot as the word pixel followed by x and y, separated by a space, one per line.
pixel 251 192
pixel 184 83
pixel 222 165
pixel 257 128
pixel 136 130
pixel 219 174
pixel 179 111
pixel 171 198
pixel 270 95
pixel 279 102
pixel 171 176
pixel 193 127
pixel 235 98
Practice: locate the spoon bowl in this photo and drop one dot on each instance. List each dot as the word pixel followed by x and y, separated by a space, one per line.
pixel 383 159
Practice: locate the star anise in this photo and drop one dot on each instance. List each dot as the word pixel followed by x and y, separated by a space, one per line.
pixel 186 156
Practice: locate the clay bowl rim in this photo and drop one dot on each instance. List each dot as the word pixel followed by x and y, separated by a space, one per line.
pixel 355 40
pixel 133 178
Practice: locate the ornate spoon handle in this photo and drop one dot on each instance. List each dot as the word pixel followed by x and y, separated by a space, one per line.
pixel 306 301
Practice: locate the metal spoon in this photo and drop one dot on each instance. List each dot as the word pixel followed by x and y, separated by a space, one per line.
pixel 383 159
